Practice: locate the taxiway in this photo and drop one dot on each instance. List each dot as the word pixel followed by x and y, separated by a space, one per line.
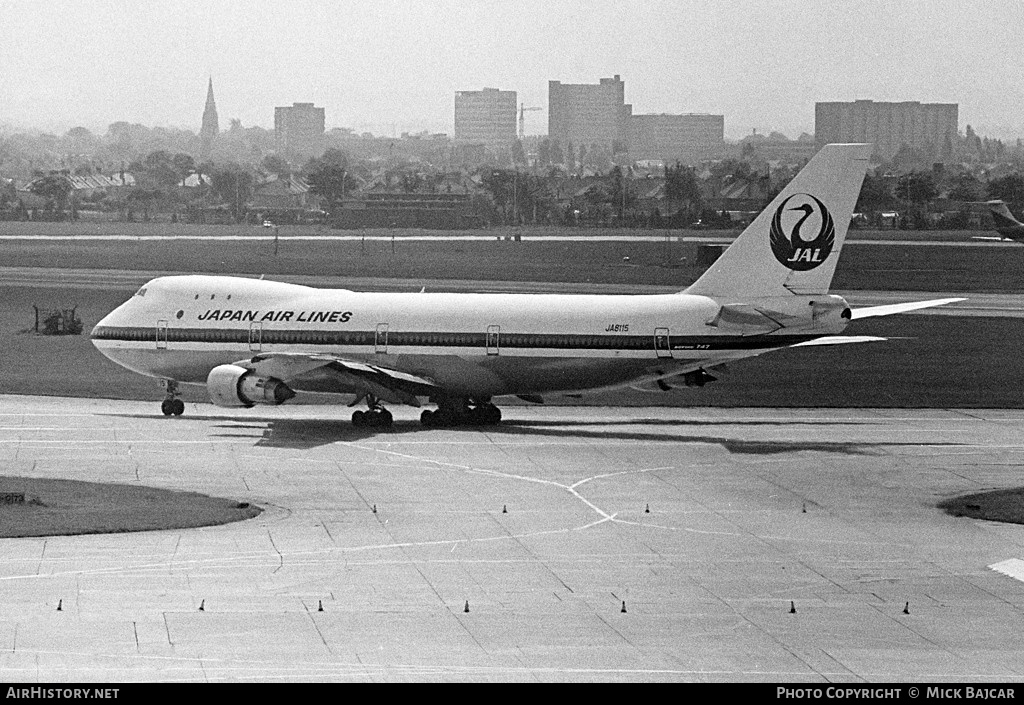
pixel 541 527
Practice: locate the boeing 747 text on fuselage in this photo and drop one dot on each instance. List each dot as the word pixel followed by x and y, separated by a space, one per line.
pixel 259 342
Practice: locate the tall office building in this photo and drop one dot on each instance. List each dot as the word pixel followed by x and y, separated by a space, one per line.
pixel 299 130
pixel 685 138
pixel 930 128
pixel 589 114
pixel 208 132
pixel 485 117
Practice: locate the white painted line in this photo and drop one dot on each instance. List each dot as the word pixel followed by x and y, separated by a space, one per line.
pixel 1012 568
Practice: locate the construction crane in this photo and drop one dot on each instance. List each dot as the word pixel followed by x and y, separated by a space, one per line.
pixel 522 119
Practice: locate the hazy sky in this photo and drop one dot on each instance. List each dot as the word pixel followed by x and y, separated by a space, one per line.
pixel 383 65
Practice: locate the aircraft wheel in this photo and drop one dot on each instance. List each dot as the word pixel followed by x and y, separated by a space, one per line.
pixel 385 418
pixel 445 418
pixel 167 407
pixel 486 415
pixel 177 407
pixel 358 418
pixel 442 418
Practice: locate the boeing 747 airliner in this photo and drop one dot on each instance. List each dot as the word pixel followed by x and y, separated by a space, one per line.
pixel 259 342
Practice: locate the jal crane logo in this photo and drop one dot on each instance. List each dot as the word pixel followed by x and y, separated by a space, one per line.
pixel 793 237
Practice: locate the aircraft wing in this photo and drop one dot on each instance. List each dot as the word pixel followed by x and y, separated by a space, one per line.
pixel 382 382
pixel 890 309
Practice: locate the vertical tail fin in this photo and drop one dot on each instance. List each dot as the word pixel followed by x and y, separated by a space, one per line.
pixel 1001 212
pixel 1002 218
pixel 794 244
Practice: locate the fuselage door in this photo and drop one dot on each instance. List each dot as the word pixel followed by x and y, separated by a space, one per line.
pixel 493 339
pixel 380 340
pixel 661 342
pixel 255 336
pixel 161 335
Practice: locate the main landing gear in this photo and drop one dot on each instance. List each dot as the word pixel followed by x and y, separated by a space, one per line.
pixel 172 405
pixel 376 416
pixel 462 412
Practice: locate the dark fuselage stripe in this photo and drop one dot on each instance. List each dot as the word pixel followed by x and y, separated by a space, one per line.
pixel 392 338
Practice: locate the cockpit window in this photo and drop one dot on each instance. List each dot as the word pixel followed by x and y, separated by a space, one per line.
pixel 141 292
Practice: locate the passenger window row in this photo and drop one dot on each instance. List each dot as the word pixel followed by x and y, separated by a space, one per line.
pixel 370 338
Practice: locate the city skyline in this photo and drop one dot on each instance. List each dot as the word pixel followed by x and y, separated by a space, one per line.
pixel 395 66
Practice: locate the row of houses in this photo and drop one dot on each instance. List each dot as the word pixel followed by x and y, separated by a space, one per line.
pixel 459 200
pixel 448 203
pixel 437 201
pixel 82 188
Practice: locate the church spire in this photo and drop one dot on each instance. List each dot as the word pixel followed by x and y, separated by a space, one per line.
pixel 210 126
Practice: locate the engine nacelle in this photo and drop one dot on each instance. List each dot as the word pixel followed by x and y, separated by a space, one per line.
pixel 231 385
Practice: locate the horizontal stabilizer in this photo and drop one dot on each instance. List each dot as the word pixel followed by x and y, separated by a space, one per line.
pixel 890 309
pixel 839 340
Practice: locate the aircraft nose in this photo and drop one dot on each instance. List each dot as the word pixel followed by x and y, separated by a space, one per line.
pixel 99 326
pixel 105 328
pixel 103 324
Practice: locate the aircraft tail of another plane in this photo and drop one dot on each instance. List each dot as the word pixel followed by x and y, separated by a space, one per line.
pixel 1006 224
pixel 793 246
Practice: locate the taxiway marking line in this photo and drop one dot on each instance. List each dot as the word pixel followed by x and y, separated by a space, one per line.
pixel 571 489
pixel 621 472
pixel 493 473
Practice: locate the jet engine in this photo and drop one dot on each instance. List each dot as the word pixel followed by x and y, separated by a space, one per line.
pixel 231 385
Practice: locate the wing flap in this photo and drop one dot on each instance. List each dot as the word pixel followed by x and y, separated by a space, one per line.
pixel 382 382
pixel 368 383
pixel 283 366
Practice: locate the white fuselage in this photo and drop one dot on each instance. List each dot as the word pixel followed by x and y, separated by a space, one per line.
pixel 476 345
